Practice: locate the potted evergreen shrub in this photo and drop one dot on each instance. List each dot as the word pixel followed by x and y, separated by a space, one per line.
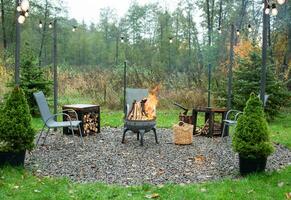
pixel 16 132
pixel 251 138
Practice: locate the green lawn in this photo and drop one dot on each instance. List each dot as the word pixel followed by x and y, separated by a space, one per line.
pixel 21 184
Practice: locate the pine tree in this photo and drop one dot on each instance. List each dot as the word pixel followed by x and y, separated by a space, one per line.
pixel 33 78
pixel 247 80
pixel 251 137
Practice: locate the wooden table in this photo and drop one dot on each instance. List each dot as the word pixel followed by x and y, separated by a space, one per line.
pixel 209 116
pixel 87 113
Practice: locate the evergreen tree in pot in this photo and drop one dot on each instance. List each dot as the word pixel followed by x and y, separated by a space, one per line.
pixel 16 132
pixel 251 138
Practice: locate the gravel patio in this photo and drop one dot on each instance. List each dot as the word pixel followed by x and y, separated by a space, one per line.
pixel 105 159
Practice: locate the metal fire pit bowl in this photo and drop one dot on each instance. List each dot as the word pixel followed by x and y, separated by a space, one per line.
pixel 140 127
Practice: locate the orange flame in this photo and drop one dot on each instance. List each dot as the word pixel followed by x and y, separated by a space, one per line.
pixel 152 102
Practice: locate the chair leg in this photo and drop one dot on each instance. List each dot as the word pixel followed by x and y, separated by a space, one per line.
pixel 156 137
pixel 45 136
pixel 81 136
pixel 123 137
pixel 40 134
pixel 141 136
pixel 222 133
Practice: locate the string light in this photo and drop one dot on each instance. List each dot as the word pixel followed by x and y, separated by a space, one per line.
pixel 219 30
pixel 170 40
pixel 274 9
pixel 50 25
pixel 237 32
pixel 40 24
pixel 249 28
pixel 24 5
pixel 74 28
pixel 281 2
pixel 21 19
pixel 122 39
pixel 267 10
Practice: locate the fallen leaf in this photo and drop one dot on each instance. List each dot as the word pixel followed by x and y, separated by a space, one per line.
pixel 288 195
pixel 203 190
pixel 160 186
pixel 250 191
pixel 129 195
pixel 36 191
pixel 152 196
pixel 16 187
pixel 280 184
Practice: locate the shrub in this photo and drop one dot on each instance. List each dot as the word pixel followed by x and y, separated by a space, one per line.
pixel 251 137
pixel 16 133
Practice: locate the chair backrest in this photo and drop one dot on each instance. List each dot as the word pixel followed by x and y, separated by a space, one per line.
pixel 133 94
pixel 42 105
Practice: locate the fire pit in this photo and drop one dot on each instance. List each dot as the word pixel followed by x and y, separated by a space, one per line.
pixel 141 116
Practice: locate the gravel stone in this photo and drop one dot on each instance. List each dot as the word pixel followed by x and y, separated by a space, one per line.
pixel 105 159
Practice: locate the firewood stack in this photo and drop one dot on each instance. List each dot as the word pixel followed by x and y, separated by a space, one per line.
pixel 138 111
pixel 90 122
pixel 204 130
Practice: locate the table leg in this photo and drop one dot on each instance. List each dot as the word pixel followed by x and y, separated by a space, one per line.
pixel 194 121
pixel 210 122
pixel 223 115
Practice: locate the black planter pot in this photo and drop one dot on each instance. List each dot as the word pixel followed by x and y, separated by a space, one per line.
pixel 251 165
pixel 12 158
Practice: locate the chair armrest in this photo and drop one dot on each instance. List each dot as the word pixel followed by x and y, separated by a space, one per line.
pixel 231 111
pixel 72 110
pixel 58 114
pixel 237 115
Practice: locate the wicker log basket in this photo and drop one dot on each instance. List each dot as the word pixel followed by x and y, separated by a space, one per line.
pixel 183 133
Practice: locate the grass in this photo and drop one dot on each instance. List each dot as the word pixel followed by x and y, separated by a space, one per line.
pixel 281 129
pixel 21 184
pixel 165 119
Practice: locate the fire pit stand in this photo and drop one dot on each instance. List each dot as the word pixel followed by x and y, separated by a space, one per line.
pixel 140 127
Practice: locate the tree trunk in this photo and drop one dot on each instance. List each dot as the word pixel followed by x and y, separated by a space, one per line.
pixel 3 25
pixel 208 22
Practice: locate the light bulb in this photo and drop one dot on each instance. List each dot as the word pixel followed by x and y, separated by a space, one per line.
pixel 40 24
pixel 219 30
pixel 24 5
pixel 21 19
pixel 249 28
pixel 26 14
pixel 267 10
pixel 281 2
pixel 171 40
pixel 50 25
pixel 73 29
pixel 122 39
pixel 274 10
pixel 18 8
pixel 237 32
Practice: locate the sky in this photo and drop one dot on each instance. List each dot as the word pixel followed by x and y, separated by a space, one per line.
pixel 89 10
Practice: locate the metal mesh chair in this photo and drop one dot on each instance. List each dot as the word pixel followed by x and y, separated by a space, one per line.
pixel 230 119
pixel 49 119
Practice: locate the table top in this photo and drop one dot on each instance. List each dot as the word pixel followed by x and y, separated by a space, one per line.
pixel 80 106
pixel 210 109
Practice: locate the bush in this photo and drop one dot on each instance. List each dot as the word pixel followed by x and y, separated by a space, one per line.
pixel 251 137
pixel 16 133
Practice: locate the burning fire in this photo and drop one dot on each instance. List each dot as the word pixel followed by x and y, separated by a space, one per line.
pixel 146 108
pixel 152 102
